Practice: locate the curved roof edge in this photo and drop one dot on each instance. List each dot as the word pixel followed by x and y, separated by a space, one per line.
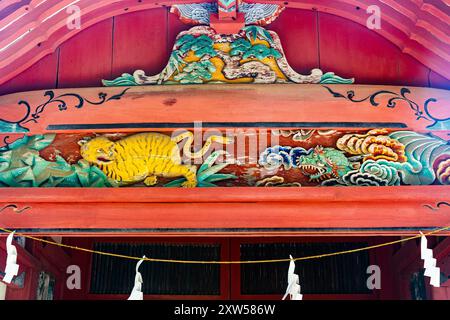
pixel 29 30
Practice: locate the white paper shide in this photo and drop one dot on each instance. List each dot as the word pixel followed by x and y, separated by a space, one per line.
pixel 136 293
pixel 431 271
pixel 293 288
pixel 12 268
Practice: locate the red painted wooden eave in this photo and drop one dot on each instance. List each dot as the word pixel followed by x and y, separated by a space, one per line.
pixel 31 31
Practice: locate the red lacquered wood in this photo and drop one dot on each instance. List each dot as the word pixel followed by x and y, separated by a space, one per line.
pixel 349 48
pixel 400 25
pixel 226 216
pixel 41 257
pixel 42 75
pixel 425 194
pixel 83 260
pixel 417 29
pixel 140 42
pixel 407 260
pixel 389 66
pixel 79 69
pixel 299 36
pixel 26 259
pixel 174 27
pixel 237 103
pixel 409 70
pixel 350 207
pixel 382 257
pixel 46 25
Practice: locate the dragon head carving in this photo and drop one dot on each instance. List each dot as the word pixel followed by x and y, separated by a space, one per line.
pixel 324 163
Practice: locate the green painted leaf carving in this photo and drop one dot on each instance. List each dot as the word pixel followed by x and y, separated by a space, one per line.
pixel 260 52
pixel 219 177
pixel 11 127
pixel 211 171
pixel 207 173
pixel 254 32
pixel 175 183
pixel 201 45
pixel 176 60
pixel 40 142
pixel 204 184
pixel 22 166
pixel 239 47
pixel 210 160
pixel 196 72
pixel 19 142
pixel 183 39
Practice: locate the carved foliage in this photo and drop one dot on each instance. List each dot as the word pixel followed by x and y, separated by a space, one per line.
pixel 200 55
pixel 376 157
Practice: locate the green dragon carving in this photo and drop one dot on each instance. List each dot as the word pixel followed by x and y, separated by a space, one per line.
pixel 324 163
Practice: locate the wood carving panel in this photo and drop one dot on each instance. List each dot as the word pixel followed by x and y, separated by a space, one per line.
pixel 227 158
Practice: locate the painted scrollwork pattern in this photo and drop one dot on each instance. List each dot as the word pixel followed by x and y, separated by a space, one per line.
pixel 437 206
pixel 62 102
pixel 421 112
pixel 14 208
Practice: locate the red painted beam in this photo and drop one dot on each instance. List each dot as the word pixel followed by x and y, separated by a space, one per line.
pixel 218 210
pixel 422 194
pixel 238 103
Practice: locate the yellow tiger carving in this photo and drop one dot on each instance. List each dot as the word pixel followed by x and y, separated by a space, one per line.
pixel 145 156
